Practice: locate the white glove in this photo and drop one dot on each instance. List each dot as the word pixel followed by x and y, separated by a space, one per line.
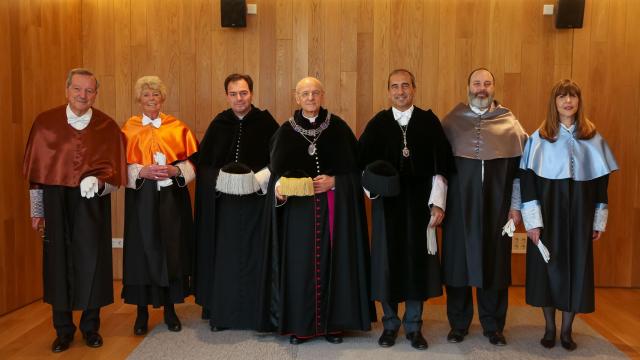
pixel 509 228
pixel 432 242
pixel 161 159
pixel 544 251
pixel 89 187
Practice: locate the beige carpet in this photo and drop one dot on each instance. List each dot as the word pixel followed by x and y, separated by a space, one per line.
pixel 524 329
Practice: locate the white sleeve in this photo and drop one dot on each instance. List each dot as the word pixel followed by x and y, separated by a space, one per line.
pixel 108 189
pixel 438 196
pixel 188 172
pixel 278 203
pixel 600 218
pixel 133 170
pixel 262 177
pixel 532 215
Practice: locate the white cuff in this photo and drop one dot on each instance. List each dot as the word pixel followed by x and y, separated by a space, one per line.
pixel 108 189
pixel 263 177
pixel 438 196
pixel 432 242
pixel 532 215
pixel 368 193
pixel 187 172
pixel 164 183
pixel 278 203
pixel 516 197
pixel 600 219
pixel 37 203
pixel 133 170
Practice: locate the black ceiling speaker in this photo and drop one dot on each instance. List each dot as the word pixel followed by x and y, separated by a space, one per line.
pixel 233 13
pixel 569 14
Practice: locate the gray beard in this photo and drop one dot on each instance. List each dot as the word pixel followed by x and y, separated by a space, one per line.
pixel 480 103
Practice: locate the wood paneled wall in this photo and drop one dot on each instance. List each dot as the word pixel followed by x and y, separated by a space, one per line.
pixel 351 45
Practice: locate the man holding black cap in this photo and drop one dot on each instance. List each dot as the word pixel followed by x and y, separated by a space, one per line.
pixel 407 159
pixel 230 212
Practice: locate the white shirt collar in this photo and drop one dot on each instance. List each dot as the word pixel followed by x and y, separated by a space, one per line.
pixel 78 122
pixel 311 119
pixel 402 117
pixel 477 110
pixel 569 128
pixel 147 120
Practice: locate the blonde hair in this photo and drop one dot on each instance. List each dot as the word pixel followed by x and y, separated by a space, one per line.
pixel 150 82
pixel 585 129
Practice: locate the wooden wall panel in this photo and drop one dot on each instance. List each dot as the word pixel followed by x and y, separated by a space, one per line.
pixel 41 41
pixel 351 45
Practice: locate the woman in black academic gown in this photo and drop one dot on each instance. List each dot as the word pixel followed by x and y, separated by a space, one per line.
pixel 158 222
pixel 566 166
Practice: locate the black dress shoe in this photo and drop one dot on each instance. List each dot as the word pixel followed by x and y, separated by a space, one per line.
pixel 334 338
pixel 294 340
pixel 92 339
pixel 548 340
pixel 140 330
pixel 388 338
pixel 567 342
pixel 215 328
pixel 417 340
pixel 457 335
pixel 61 343
pixel 140 327
pixel 174 326
pixel 171 318
pixel 496 338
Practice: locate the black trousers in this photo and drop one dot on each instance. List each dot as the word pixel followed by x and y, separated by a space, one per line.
pixel 492 307
pixel 63 322
pixel 412 319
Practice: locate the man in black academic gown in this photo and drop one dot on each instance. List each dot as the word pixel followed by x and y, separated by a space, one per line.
pixel 232 219
pixel 74 158
pixel 487 142
pixel 405 268
pixel 321 247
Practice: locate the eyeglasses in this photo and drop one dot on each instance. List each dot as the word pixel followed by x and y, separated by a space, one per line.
pixel 314 93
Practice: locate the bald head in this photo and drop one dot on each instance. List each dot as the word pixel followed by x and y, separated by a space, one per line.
pixel 309 80
pixel 310 95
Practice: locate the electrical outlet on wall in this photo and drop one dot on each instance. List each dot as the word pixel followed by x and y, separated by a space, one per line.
pixel 116 243
pixel 519 243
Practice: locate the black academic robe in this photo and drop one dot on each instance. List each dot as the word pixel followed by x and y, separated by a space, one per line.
pixel 232 280
pixel 401 268
pixel 320 273
pixel 158 244
pixel 568 207
pixel 474 251
pixel 77 266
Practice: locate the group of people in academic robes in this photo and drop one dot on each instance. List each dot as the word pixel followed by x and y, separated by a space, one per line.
pixel 279 240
